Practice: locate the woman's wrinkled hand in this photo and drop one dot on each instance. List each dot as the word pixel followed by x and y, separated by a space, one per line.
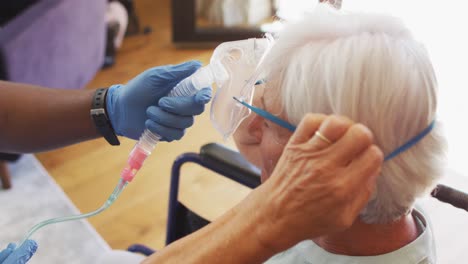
pixel 318 187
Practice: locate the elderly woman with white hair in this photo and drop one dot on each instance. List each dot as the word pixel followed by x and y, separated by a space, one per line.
pixel 369 68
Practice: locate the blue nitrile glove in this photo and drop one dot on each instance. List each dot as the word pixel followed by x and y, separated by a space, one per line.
pixel 21 255
pixel 175 114
pixel 134 106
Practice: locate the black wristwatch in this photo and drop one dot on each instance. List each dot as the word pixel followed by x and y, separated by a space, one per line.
pixel 101 120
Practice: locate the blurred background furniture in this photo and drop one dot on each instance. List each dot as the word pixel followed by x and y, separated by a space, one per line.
pixel 229 13
pixel 206 23
pixel 4 172
pixel 122 20
pixel 54 43
pixel 133 19
pixel 190 29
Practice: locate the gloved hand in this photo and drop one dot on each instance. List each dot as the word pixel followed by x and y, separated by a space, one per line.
pixel 21 255
pixel 138 104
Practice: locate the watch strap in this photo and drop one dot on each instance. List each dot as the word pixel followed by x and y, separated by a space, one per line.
pixel 101 120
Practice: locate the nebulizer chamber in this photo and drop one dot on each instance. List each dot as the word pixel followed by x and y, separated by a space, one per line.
pixel 203 77
pixel 231 67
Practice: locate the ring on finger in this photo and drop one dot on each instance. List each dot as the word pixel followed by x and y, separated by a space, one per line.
pixel 322 137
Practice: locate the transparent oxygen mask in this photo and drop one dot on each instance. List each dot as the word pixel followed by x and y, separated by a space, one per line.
pixel 239 60
pixel 232 68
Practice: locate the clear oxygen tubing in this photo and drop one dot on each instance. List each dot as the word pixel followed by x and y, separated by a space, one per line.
pixel 118 189
pixel 203 77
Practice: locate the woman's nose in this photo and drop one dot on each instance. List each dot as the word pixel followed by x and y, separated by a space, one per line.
pixel 255 127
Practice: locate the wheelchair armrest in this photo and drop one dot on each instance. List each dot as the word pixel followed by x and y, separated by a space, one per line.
pixel 232 161
pixel 451 196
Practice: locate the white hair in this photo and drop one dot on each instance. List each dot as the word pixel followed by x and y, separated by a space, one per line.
pixel 369 68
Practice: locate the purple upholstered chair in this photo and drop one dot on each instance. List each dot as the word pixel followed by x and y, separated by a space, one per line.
pixel 53 43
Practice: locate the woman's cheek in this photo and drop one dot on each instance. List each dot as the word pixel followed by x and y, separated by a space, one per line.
pixel 264 176
pixel 271 152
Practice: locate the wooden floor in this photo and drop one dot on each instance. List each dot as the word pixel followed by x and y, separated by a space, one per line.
pixel 89 171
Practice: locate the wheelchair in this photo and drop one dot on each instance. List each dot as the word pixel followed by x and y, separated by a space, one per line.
pixel 230 164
